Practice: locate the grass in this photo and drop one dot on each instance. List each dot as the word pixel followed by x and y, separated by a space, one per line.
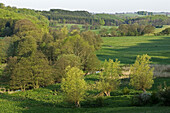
pixel 50 99
pixel 125 49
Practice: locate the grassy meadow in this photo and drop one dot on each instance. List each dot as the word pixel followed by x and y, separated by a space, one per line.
pixel 125 49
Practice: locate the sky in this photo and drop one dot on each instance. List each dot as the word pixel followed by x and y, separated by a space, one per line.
pixel 93 6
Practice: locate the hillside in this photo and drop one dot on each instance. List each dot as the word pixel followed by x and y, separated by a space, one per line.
pixel 18 14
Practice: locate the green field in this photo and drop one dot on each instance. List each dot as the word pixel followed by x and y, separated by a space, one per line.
pixel 127 48
pixel 46 99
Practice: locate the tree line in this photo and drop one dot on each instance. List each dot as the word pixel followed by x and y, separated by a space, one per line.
pixel 127 30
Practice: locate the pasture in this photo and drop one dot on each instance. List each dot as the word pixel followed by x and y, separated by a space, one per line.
pixel 125 49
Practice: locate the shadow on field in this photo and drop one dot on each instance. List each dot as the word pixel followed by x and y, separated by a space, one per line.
pixel 158 49
pixel 26 105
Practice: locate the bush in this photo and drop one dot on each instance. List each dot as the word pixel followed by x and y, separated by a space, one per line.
pixel 93 102
pixel 142 99
pixel 155 98
pixel 125 91
pixel 99 102
pixel 165 96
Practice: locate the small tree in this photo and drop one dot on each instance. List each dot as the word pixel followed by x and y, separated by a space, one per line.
pixel 102 22
pixel 73 85
pixel 141 73
pixel 109 78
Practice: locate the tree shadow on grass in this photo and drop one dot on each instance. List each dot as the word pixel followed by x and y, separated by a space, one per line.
pixel 158 49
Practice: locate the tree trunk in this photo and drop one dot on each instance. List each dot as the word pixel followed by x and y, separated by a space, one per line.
pixel 144 90
pixel 77 104
pixel 107 93
pixel 37 86
pixel 24 87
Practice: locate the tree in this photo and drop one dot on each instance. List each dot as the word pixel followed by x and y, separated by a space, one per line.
pixel 21 75
pixel 74 85
pixel 30 72
pixel 148 29
pixel 102 22
pixel 64 31
pixel 74 27
pixel 92 38
pixel 109 78
pixel 63 62
pixel 123 29
pixel 103 32
pixel 2 5
pixel 27 46
pixel 78 46
pixel 41 70
pixel 141 73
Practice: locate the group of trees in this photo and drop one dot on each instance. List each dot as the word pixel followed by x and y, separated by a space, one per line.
pixel 127 30
pixel 84 17
pixel 144 13
pixel 9 15
pixel 154 20
pixel 33 55
pixel 80 17
pixel 6 27
pixel 74 86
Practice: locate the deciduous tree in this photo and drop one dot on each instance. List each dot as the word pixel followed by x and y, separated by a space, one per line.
pixel 74 85
pixel 109 77
pixel 141 73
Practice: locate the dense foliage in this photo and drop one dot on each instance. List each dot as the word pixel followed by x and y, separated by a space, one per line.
pixel 37 56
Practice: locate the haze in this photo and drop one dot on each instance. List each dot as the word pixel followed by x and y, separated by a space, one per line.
pixel 97 6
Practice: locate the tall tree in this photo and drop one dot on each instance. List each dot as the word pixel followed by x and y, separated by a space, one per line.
pixel 78 46
pixel 109 77
pixel 92 38
pixel 27 46
pixel 141 73
pixel 63 62
pixel 148 29
pixel 74 85
pixel 41 70
pixel 21 75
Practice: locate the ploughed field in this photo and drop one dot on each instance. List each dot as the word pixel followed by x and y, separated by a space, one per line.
pixel 125 49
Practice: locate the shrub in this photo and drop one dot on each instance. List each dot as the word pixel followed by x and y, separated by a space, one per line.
pixel 142 99
pixel 125 91
pixel 155 98
pixel 99 102
pixel 93 102
pixel 165 96
pixel 145 97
